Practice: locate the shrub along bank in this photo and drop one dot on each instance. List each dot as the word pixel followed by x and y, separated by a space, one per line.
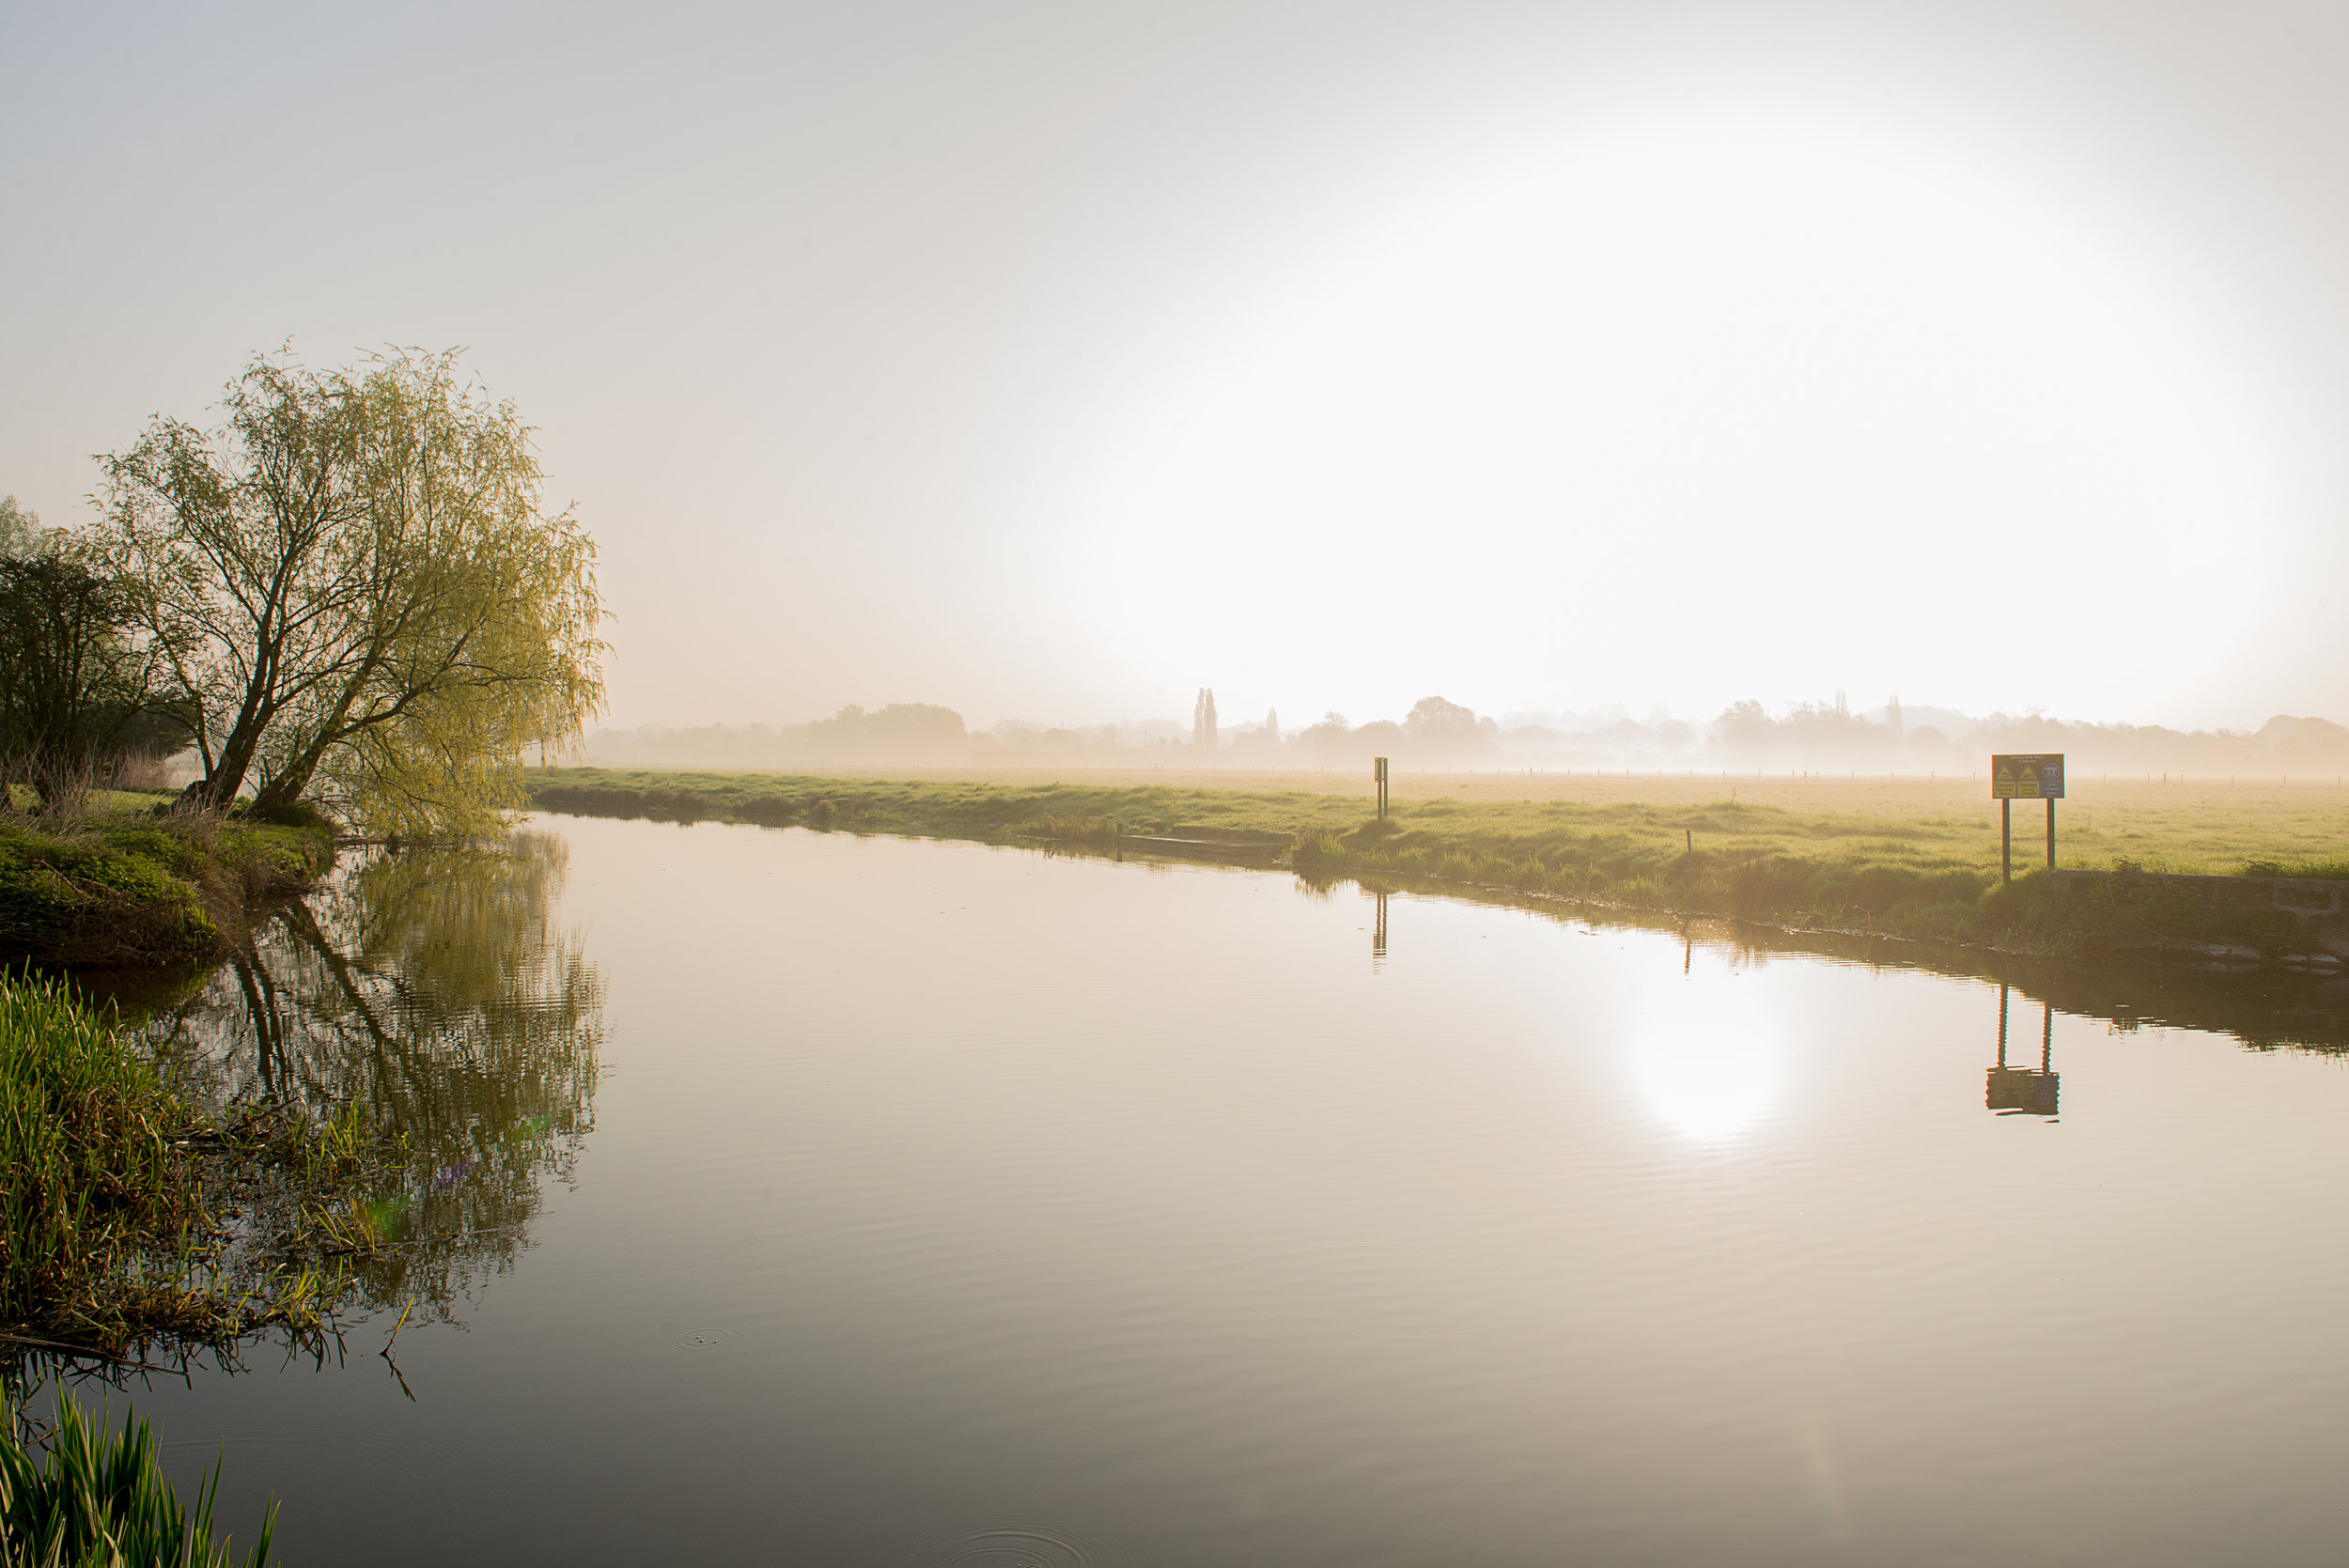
pixel 1930 872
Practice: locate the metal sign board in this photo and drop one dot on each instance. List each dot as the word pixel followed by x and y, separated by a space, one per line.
pixel 2027 776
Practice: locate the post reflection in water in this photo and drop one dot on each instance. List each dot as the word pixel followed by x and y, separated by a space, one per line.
pixel 2020 1091
pixel 433 988
pixel 1379 937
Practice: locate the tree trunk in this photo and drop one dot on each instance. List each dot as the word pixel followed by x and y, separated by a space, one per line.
pixel 283 791
pixel 218 789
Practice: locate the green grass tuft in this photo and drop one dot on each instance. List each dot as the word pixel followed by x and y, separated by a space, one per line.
pixel 83 1500
pixel 2333 869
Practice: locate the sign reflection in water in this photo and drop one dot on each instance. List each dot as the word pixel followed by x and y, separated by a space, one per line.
pixel 2020 1091
pixel 433 988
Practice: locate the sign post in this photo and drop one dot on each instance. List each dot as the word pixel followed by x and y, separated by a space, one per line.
pixel 2024 776
pixel 1378 776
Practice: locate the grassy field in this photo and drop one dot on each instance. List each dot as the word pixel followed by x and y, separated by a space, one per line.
pixel 1907 857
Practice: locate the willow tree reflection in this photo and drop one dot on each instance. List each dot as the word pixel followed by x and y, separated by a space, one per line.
pixel 435 989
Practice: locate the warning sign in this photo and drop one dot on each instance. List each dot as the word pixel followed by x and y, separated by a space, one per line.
pixel 2028 776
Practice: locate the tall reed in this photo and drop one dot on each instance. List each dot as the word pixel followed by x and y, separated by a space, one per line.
pixel 86 1140
pixel 91 1501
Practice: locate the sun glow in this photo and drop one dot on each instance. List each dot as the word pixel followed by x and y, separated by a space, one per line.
pixel 1709 1066
pixel 1751 380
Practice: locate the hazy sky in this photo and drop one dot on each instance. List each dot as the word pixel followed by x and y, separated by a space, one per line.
pixel 1057 359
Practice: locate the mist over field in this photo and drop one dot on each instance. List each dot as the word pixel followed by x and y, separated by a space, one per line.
pixel 1437 734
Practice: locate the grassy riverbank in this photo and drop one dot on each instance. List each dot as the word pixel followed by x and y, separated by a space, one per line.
pixel 87 1137
pixel 123 884
pixel 1913 857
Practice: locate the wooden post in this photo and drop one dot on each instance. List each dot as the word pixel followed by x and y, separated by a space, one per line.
pixel 2006 841
pixel 2002 994
pixel 2050 833
pixel 1378 776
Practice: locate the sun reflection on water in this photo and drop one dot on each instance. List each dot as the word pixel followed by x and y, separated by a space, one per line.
pixel 1709 1066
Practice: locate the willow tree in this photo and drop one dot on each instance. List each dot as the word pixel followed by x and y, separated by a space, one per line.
pixel 358 591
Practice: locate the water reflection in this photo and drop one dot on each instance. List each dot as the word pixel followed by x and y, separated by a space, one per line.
pixel 1379 937
pixel 967 1255
pixel 434 988
pixel 1709 1065
pixel 2021 1091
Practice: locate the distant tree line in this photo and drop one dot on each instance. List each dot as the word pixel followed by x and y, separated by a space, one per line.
pixel 1437 733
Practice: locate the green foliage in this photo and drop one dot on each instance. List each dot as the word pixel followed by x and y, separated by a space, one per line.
pixel 20 532
pixel 74 690
pixel 94 1502
pixel 356 590
pixel 1318 849
pixel 76 896
pixel 116 889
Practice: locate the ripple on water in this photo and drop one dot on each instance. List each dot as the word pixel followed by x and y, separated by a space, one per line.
pixel 339 1462
pixel 1013 1548
pixel 1370 1289
pixel 705 1339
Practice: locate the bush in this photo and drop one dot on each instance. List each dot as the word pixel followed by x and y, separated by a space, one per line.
pixel 770 811
pixel 1318 849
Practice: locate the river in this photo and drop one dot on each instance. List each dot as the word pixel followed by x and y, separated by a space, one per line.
pixel 798 1197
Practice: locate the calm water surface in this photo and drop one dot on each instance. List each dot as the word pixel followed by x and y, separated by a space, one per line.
pixel 800 1198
